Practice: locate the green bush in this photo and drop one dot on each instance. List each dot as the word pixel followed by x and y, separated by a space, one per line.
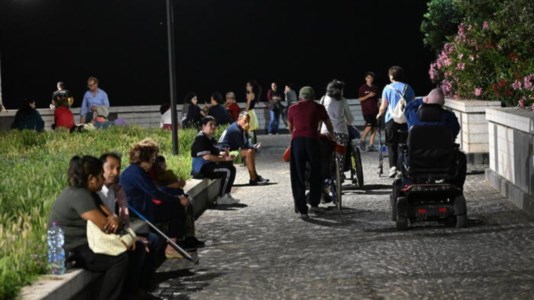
pixel 439 22
pixel 490 56
pixel 33 171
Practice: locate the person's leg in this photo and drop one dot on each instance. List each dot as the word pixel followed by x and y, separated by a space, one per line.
pixel 225 171
pixel 172 213
pixel 149 265
pixel 271 121
pixel 250 159
pixel 297 169
pixel 365 133
pixel 372 138
pixel 114 269
pixel 391 142
pixel 313 158
pixel 136 260
pixel 276 123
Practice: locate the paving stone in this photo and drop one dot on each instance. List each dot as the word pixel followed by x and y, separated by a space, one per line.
pixel 261 249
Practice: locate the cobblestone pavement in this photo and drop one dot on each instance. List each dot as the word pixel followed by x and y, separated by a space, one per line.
pixel 262 250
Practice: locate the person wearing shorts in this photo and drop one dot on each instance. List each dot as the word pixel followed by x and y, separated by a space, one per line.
pixel 368 96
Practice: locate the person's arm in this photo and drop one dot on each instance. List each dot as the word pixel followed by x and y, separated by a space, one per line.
pixel 453 124
pixel 40 123
pixel 105 99
pixel 411 112
pixel 83 108
pixel 383 104
pixel 143 182
pixel 348 115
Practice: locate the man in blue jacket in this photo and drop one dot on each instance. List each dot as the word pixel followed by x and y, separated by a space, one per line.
pixel 235 138
pixel 447 119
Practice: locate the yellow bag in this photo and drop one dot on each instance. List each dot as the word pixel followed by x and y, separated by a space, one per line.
pixel 254 125
pixel 108 243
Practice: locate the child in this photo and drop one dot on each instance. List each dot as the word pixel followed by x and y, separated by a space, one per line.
pixel 163 177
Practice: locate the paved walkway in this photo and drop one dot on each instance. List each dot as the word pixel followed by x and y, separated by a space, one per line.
pixel 262 250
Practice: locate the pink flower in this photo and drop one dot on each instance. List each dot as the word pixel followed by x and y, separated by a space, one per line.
pixel 471 57
pixel 447 62
pixel 516 85
pixel 460 66
pixel 461 31
pixel 478 92
pixel 485 25
pixel 460 56
pixel 527 82
pixel 522 102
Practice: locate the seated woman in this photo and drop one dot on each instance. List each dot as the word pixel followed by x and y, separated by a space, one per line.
pixel 27 117
pixel 173 209
pixel 79 203
pixel 194 112
pixel 63 117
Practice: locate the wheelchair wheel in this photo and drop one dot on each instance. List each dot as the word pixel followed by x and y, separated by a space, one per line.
pixel 335 182
pixel 393 198
pixel 402 221
pixel 357 167
pixel 460 206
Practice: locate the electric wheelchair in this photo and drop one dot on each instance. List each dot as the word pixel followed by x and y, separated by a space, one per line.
pixel 428 189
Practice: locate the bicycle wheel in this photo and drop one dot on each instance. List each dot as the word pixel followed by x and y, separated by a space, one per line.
pixel 357 166
pixel 335 182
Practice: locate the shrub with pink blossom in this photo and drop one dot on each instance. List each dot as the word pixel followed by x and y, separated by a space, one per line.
pixel 490 56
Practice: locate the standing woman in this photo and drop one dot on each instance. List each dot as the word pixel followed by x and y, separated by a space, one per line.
pixel 79 203
pixel 253 97
pixel 339 113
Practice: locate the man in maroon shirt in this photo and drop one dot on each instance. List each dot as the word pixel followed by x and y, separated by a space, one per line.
pixel 303 123
pixel 368 95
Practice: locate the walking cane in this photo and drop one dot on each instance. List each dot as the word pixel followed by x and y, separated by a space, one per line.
pixel 169 240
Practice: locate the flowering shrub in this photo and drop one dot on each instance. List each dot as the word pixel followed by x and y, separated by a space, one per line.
pixel 487 59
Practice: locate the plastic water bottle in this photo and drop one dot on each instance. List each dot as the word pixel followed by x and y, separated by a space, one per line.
pixel 56 253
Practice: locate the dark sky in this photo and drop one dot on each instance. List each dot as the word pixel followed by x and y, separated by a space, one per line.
pixel 219 46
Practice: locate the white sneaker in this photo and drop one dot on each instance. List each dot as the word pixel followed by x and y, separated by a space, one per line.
pixel 226 200
pixel 392 172
pixel 232 197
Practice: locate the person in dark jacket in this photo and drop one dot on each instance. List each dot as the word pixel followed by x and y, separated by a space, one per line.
pixel 235 138
pixel 217 111
pixel 193 112
pixel 27 117
pixel 141 192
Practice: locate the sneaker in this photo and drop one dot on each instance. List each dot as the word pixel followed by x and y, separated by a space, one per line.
pixel 226 200
pixel 304 216
pixel 258 180
pixel 170 254
pixel 371 148
pixel 232 197
pixel 392 172
pixel 193 242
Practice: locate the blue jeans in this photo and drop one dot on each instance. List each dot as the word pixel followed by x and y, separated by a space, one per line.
pixel 274 121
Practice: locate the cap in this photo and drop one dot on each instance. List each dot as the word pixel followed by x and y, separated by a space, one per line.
pixel 307 93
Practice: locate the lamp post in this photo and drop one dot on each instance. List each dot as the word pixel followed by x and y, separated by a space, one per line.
pixel 172 74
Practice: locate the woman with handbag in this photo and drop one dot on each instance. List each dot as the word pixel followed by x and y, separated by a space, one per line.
pixel 77 205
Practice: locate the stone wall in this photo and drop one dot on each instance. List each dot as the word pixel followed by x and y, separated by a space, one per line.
pixel 148 116
pixel 511 155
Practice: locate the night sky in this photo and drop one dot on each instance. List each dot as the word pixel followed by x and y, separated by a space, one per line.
pixel 219 46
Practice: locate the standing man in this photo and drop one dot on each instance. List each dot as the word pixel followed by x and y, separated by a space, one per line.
pixel 303 123
pixel 390 97
pixel 274 98
pixel 291 97
pixel 93 98
pixel 368 95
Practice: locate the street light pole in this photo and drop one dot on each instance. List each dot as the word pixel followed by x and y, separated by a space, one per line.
pixel 172 74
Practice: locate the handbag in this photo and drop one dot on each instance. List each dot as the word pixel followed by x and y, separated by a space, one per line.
pixel 398 112
pixel 253 123
pixel 109 243
pixel 287 154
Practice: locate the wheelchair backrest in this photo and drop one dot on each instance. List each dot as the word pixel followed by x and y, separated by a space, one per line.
pixel 431 151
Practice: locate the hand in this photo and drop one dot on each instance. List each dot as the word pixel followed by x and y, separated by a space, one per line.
pixel 372 94
pixel 378 116
pixel 184 201
pixel 93 108
pixel 112 224
pixel 144 240
pixel 257 146
pixel 229 158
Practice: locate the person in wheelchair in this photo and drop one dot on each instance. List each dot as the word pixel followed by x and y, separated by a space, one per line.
pixel 429 111
pixel 433 169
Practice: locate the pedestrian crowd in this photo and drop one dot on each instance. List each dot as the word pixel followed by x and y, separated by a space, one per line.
pixel 115 200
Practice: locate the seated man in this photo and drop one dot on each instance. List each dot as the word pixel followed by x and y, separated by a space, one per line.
pixel 210 162
pixel 235 137
pixel 447 119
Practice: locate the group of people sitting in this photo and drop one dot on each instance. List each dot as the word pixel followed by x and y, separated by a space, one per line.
pixel 94 110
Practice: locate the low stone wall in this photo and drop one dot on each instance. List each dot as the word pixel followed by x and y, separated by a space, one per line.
pixel 511 155
pixel 473 137
pixel 148 116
